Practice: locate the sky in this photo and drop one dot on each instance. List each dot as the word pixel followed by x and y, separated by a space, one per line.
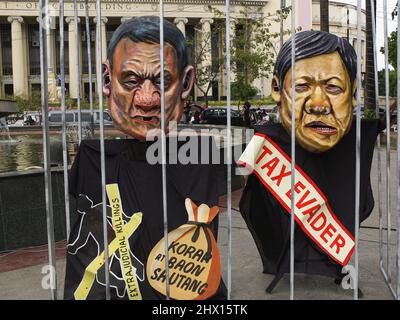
pixel 392 24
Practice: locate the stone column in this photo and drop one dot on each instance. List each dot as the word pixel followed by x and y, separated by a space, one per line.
pixel 233 42
pixel 181 24
pixel 73 63
pixel 206 44
pixel 20 76
pixel 52 86
pixel 104 20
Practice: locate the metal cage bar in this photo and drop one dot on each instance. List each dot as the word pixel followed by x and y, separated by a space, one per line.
pixel 293 148
pixel 398 156
pixel 44 36
pixel 229 146
pixel 163 151
pixel 388 145
pixel 378 142
pixel 89 56
pixel 102 151
pixel 358 150
pixel 385 272
pixel 78 73
pixel 64 125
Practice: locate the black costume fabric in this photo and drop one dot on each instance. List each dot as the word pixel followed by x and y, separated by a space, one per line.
pixel 334 174
pixel 140 187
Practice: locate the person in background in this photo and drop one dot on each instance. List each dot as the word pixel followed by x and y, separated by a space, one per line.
pixel 246 115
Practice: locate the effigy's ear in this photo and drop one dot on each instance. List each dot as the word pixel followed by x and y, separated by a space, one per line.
pixel 106 78
pixel 188 81
pixel 354 94
pixel 275 90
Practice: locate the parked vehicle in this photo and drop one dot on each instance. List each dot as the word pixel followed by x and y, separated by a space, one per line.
pixel 71 117
pixel 218 116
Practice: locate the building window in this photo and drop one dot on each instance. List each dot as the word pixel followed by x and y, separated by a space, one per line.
pixel 66 50
pixel 34 49
pixel 8 90
pixel 87 91
pixel 36 88
pixel 85 67
pixel 110 28
pixel 6 51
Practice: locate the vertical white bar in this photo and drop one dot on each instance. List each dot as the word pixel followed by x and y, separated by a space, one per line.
pixel 358 148
pixel 102 152
pixel 89 57
pixel 398 155
pixel 44 34
pixel 378 147
pixel 229 145
pixel 281 23
pixel 163 150
pixel 378 142
pixel 388 178
pixel 64 125
pixel 78 73
pixel 293 148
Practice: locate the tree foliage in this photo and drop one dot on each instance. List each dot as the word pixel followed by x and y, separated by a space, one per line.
pixel 392 83
pixel 392 55
pixel 392 45
pixel 253 49
pixel 242 91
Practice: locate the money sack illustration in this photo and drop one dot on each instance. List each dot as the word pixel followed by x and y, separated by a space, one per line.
pixel 193 256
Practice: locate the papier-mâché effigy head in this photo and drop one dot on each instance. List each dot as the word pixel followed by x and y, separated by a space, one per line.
pixel 132 82
pixel 325 88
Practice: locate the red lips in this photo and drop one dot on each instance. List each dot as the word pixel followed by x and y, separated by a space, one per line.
pixel 322 128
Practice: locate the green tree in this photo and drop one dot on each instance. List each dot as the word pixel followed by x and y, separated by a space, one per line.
pixel 253 50
pixel 392 83
pixel 242 91
pixel 31 104
pixel 392 55
pixel 392 45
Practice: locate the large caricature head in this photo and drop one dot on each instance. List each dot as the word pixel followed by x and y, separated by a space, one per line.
pixel 132 76
pixel 325 87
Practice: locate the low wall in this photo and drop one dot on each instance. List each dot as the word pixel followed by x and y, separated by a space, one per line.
pixel 23 207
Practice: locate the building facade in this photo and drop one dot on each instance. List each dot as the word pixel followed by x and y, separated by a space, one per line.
pixel 19 37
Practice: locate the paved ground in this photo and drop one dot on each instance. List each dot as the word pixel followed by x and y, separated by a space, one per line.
pixel 248 282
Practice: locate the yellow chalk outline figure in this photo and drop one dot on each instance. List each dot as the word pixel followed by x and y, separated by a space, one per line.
pixel 128 229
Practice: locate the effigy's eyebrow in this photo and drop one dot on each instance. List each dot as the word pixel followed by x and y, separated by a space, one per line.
pixel 128 73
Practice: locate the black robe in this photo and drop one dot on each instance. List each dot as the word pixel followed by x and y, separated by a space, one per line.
pixel 140 188
pixel 334 174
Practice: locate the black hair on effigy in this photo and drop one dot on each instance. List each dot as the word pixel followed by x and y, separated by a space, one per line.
pixel 147 29
pixel 314 43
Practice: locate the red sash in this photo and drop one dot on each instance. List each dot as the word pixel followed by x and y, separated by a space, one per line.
pixel 312 211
